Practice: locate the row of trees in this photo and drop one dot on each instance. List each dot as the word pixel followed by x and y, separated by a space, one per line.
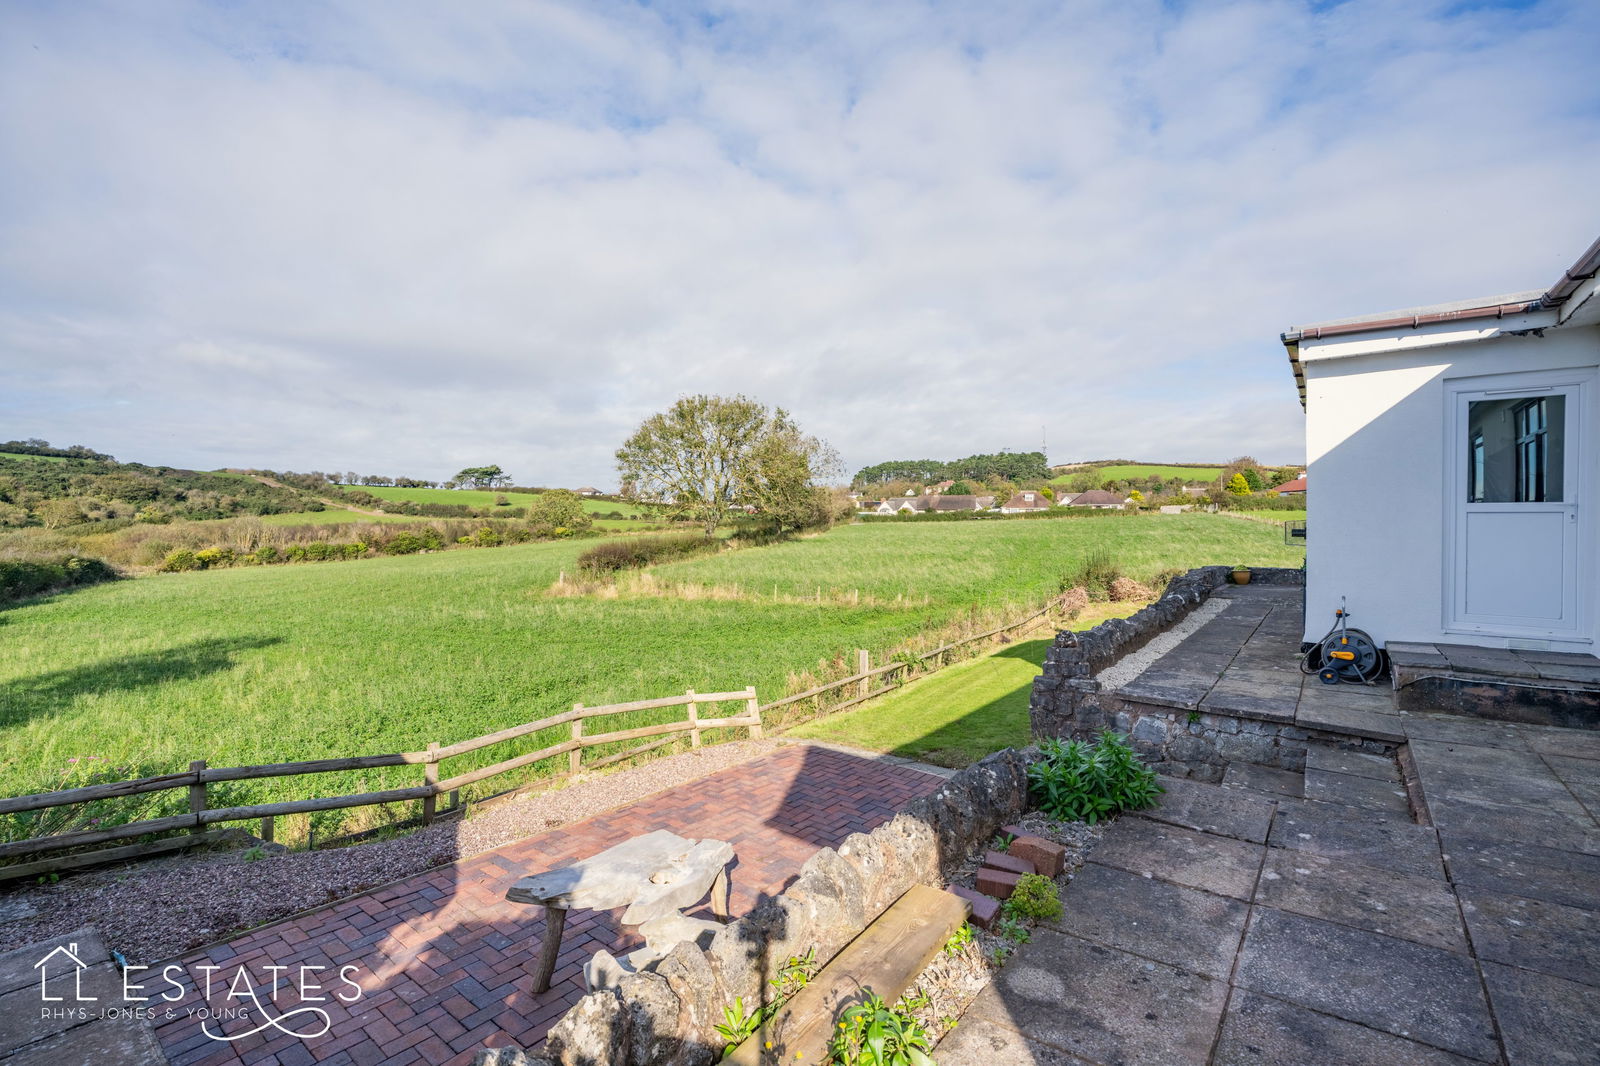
pixel 1015 467
pixel 35 446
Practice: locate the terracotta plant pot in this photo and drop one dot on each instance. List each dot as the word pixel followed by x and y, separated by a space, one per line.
pixel 1241 577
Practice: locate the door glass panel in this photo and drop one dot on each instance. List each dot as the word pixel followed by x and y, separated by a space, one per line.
pixel 1516 449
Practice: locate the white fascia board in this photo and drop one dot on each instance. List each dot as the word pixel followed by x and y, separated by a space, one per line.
pixel 1437 335
pixel 1582 308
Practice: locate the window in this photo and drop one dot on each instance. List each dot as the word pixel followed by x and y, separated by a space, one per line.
pixel 1533 451
pixel 1516 449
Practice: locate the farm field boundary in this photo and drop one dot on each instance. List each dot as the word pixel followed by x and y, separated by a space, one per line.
pixel 199 776
pixel 867 683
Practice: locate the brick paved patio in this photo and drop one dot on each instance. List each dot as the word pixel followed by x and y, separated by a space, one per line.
pixel 445 961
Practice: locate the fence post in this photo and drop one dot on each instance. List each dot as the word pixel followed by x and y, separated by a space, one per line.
pixel 197 795
pixel 575 756
pixel 430 777
pixel 266 829
pixel 753 711
pixel 863 664
pixel 694 720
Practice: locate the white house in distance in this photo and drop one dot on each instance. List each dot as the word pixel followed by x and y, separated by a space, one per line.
pixel 1455 450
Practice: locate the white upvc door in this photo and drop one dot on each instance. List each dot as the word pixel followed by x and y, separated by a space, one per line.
pixel 1519 552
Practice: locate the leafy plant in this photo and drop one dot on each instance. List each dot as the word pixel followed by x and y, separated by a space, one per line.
pixel 871 1033
pixel 737 1025
pixel 795 974
pixel 1034 897
pixel 1002 842
pixel 1194 716
pixel 1000 954
pixel 959 940
pixel 1076 781
pixel 1012 929
pixel 255 854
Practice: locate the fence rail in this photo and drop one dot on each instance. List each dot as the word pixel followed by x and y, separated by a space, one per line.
pixel 200 819
pixel 199 776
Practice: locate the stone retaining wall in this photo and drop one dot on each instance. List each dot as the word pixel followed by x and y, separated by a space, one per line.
pixel 1200 745
pixel 1067 700
pixel 666 1016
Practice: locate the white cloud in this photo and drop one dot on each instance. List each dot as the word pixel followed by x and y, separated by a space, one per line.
pixel 400 238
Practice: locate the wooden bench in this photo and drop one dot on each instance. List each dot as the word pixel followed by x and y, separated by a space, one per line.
pixel 886 957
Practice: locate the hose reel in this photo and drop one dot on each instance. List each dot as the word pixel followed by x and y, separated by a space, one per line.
pixel 1344 654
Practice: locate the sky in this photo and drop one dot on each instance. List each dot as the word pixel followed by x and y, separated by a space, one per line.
pixel 405 237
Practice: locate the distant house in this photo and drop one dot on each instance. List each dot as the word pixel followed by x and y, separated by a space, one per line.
pixel 943 486
pixel 1099 499
pixel 962 503
pixel 1195 490
pixel 1023 502
pixel 1290 487
pixel 868 505
pixel 588 490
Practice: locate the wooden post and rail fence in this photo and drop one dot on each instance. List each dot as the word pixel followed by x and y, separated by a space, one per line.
pixel 197 824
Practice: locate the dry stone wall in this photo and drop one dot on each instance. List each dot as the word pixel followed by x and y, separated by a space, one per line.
pixel 1067 701
pixel 666 1016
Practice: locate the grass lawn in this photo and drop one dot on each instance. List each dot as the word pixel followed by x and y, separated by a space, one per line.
pixel 330 516
pixel 960 714
pixel 283 663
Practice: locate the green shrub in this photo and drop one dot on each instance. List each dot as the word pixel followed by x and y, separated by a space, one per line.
pixel 1035 897
pixel 1075 781
pixel 180 560
pixel 33 576
pixel 208 558
pixel 1095 575
pixel 634 552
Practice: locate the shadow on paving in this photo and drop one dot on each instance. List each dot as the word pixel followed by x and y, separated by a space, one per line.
pixel 1230 926
pixel 444 963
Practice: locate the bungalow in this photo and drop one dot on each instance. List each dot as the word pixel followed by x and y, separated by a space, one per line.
pixel 943 486
pixel 588 490
pixel 1470 427
pixel 1099 499
pixel 1024 502
pixel 1289 488
pixel 927 504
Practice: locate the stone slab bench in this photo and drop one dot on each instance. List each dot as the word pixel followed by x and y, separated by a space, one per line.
pixel 886 957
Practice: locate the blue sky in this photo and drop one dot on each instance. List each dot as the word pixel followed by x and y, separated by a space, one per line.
pixel 405 237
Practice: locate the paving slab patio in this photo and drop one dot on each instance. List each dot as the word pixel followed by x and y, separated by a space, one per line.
pixel 445 964
pixel 1362 939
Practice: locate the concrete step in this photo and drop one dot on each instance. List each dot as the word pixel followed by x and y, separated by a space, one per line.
pixel 1264 780
pixel 1551 688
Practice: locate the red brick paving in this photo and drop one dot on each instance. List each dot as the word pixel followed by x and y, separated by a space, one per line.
pixel 445 963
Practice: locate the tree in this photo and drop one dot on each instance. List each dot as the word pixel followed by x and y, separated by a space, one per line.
pixel 706 455
pixel 483 477
pixel 559 509
pixel 1136 496
pixel 1253 478
pixel 961 488
pixel 1238 486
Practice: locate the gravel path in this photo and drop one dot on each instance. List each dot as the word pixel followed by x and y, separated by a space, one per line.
pixel 1135 663
pixel 161 908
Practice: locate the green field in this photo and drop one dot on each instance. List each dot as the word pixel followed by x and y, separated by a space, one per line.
pixel 330 516
pixel 1144 470
pixel 36 458
pixel 486 498
pixel 268 664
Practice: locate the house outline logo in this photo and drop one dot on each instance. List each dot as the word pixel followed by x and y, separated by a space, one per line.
pixel 70 950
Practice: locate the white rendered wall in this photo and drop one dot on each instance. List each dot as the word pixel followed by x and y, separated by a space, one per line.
pixel 1377 470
